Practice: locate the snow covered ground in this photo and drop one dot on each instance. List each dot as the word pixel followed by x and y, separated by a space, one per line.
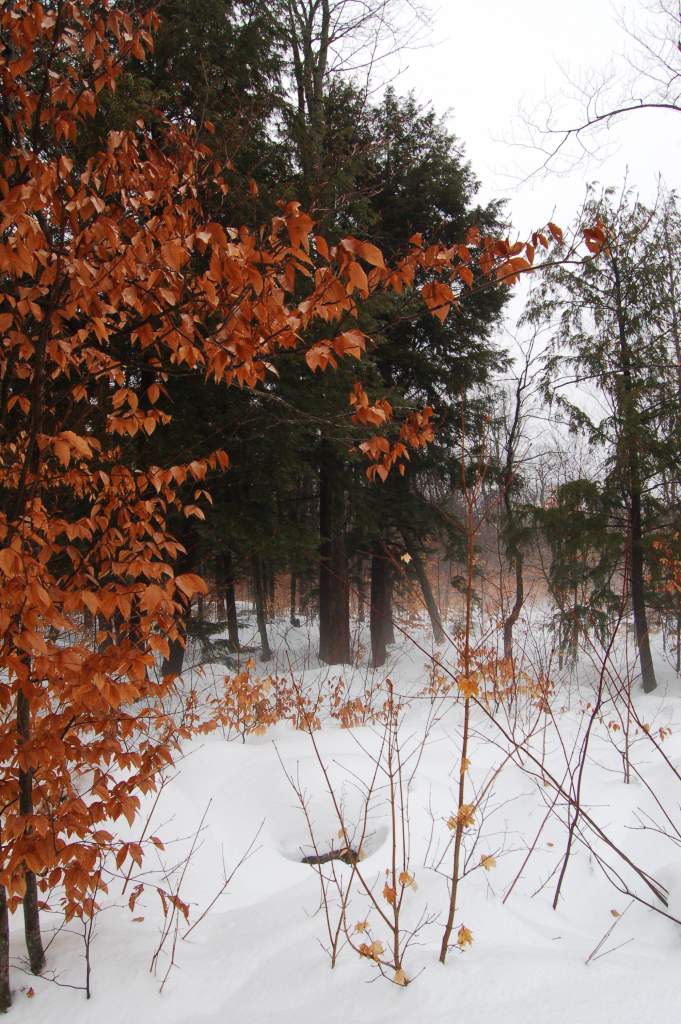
pixel 257 955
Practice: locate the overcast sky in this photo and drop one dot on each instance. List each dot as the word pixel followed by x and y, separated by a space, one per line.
pixel 489 59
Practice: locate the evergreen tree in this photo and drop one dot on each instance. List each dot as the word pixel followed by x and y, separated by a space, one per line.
pixel 607 322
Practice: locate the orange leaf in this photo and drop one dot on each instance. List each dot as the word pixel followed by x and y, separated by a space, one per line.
pixel 191 584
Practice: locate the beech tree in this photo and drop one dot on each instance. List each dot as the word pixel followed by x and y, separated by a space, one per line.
pixel 117 250
pixel 118 274
pixel 115 276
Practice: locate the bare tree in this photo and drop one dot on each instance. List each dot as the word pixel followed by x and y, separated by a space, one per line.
pixel 339 37
pixel 514 451
pixel 646 77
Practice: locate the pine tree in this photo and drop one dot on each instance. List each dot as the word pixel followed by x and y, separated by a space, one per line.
pixel 607 334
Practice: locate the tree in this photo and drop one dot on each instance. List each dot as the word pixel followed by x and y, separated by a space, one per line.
pixel 416 178
pixel 387 170
pixel 511 456
pixel 330 127
pixel 647 79
pixel 605 320
pixel 329 41
pixel 111 273
pixel 115 277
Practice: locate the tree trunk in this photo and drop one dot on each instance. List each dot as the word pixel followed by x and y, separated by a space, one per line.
pixel 309 41
pixel 513 547
pixel 306 584
pixel 5 992
pixel 334 590
pixel 110 626
pixel 389 617
pixel 638 597
pixel 426 589
pixel 293 618
pixel 512 617
pixel 378 607
pixel 627 408
pixel 269 586
pixel 201 602
pixel 259 594
pixel 174 663
pixel 230 601
pixel 34 942
pixel 361 591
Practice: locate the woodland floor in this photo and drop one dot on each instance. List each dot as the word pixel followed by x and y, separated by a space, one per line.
pixel 257 956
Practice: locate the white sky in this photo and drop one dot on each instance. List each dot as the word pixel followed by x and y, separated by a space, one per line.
pixel 485 61
pixel 490 58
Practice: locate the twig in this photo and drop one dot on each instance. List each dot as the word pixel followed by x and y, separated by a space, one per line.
pixel 242 860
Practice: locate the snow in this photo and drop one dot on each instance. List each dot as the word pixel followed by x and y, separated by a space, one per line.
pixel 257 955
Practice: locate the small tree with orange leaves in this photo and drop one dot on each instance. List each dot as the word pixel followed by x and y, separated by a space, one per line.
pixel 112 275
pixel 108 268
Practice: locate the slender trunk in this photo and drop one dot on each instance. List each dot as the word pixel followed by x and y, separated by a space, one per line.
pixel 513 549
pixel 5 992
pixel 389 617
pixel 629 413
pixel 201 603
pixel 380 611
pixel 259 593
pixel 34 942
pixel 361 591
pixel 426 589
pixel 112 627
pixel 269 586
pixel 174 663
pixel 186 562
pixel 676 341
pixel 310 43
pixel 512 617
pixel 638 597
pixel 334 591
pixel 230 601
pixel 461 819
pixel 306 584
pixel 293 618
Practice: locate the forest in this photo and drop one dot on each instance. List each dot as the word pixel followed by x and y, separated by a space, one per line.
pixel 340 532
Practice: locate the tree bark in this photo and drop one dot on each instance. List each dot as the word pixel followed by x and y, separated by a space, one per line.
pixel 380 610
pixel 186 562
pixel 389 617
pixel 269 587
pixel 334 590
pixel 5 992
pixel 229 594
pixel 293 618
pixel 512 617
pixel 259 594
pixel 628 412
pixel 309 43
pixel 361 591
pixel 34 942
pixel 638 597
pixel 426 589
pixel 513 547
pixel 201 602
